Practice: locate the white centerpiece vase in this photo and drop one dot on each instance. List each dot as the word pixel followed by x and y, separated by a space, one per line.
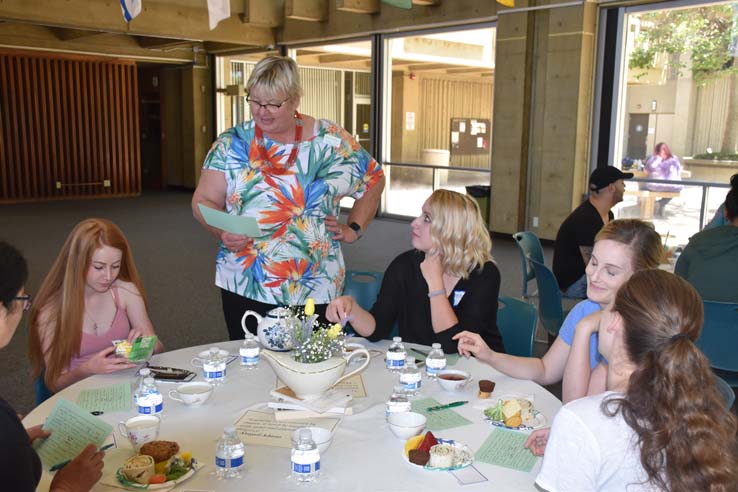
pixel 310 381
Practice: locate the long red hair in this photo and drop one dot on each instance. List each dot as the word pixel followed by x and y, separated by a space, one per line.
pixel 60 302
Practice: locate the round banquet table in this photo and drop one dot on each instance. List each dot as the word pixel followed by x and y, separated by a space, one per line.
pixel 364 454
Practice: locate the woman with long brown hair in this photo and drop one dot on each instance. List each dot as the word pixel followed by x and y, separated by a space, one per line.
pixel 92 296
pixel 662 425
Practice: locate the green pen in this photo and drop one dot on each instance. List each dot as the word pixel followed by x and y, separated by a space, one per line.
pixel 448 405
pixel 61 465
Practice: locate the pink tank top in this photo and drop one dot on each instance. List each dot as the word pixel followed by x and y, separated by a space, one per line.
pixel 91 344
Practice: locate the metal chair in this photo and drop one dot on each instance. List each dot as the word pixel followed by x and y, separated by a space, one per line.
pixel 550 310
pixel 517 321
pixel 530 249
pixel 719 339
pixel 725 391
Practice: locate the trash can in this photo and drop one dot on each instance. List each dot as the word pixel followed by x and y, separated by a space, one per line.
pixel 481 193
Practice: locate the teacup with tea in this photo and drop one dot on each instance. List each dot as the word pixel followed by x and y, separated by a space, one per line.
pixel 453 379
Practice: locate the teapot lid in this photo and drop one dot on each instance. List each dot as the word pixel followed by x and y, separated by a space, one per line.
pixel 280 312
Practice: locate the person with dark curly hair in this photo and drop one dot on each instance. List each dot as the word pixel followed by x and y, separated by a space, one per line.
pixel 712 255
pixel 20 466
pixel 662 425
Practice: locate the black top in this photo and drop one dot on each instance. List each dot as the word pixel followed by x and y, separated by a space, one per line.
pixel 578 229
pixel 20 467
pixel 403 298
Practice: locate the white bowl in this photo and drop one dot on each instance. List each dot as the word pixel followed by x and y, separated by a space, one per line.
pixel 453 380
pixel 322 437
pixel 192 394
pixel 406 424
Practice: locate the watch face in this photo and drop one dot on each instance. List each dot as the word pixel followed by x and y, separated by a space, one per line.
pixel 356 227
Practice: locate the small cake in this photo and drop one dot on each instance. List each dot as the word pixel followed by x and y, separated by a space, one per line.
pixel 418 456
pixel 486 387
pixel 160 450
pixel 441 456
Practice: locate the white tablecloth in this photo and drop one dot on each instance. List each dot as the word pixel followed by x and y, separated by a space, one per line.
pixel 364 454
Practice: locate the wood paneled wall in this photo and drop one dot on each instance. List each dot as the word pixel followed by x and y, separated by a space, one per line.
pixel 69 128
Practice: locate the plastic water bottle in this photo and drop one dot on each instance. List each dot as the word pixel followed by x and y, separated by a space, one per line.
pixel 229 453
pixel 305 458
pixel 148 398
pixel 435 361
pixel 398 402
pixel 396 354
pixel 410 377
pixel 142 374
pixel 214 367
pixel 250 352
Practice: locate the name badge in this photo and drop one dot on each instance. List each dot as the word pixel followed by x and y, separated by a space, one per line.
pixel 458 295
pixel 332 140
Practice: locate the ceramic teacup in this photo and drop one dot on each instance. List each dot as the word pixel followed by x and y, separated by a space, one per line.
pixel 453 379
pixel 140 430
pixel 192 394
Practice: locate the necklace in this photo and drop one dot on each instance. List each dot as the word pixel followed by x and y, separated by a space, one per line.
pixel 259 134
pixel 95 324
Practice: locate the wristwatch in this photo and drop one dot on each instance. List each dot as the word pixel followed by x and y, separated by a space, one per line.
pixel 357 229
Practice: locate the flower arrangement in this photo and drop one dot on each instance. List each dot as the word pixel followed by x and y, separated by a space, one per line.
pixel 313 341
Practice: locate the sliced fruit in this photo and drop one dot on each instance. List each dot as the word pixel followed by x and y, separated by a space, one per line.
pixel 428 442
pixel 186 456
pixel 161 467
pixel 413 443
pixel 158 478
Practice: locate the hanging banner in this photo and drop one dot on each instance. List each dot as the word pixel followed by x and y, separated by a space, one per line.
pixel 130 8
pixel 507 3
pixel 217 11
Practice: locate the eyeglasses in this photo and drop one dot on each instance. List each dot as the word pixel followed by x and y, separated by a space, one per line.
pixel 27 301
pixel 269 106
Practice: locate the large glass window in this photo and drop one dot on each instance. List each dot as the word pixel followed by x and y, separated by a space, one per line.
pixel 438 114
pixel 679 87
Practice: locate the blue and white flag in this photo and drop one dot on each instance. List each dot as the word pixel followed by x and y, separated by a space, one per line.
pixel 217 11
pixel 130 8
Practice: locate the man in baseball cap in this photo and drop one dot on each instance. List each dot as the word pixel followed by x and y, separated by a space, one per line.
pixel 575 238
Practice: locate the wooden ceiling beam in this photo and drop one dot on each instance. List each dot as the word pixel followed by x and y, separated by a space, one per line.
pixel 429 66
pixel 269 13
pixel 468 70
pixel 161 43
pixel 63 34
pixel 426 2
pixel 157 19
pixel 338 58
pixel 306 10
pixel 358 6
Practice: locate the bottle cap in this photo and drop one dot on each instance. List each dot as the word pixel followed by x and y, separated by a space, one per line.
pixel 436 345
pixel 145 371
pixel 148 380
pixel 396 339
pixel 229 430
pixel 306 435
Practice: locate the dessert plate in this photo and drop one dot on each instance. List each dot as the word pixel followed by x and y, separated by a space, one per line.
pixel 463 456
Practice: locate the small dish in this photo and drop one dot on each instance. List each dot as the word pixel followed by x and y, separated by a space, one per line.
pixel 321 437
pixel 453 380
pixel 405 425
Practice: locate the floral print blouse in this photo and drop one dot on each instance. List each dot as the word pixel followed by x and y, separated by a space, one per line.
pixel 295 256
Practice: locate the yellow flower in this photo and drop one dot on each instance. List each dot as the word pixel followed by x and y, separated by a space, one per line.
pixel 334 331
pixel 310 307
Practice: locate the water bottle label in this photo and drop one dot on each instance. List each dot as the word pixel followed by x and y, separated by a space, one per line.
pixel 397 407
pixel 411 386
pixel 249 352
pixel 250 360
pixel 432 367
pixel 214 374
pixel 395 363
pixel 147 410
pixel 396 355
pixel 305 468
pixel 229 463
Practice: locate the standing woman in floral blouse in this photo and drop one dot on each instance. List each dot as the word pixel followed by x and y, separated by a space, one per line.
pixel 289 171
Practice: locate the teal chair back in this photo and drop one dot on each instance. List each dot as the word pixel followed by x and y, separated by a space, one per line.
pixel 43 393
pixel 725 391
pixel 719 339
pixel 517 322
pixel 363 287
pixel 550 310
pixel 530 249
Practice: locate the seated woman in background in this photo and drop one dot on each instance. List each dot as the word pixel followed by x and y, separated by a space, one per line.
pixel 710 259
pixel 662 425
pixel 622 247
pixel 446 284
pixel 20 466
pixel 91 296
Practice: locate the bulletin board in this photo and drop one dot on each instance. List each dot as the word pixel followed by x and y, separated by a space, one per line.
pixel 470 136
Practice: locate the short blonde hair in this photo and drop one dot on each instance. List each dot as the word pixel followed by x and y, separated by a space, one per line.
pixel 458 232
pixel 277 76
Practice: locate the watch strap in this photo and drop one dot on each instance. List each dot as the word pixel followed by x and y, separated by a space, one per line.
pixel 356 228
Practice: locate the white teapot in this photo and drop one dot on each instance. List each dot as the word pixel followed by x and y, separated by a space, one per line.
pixel 274 330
